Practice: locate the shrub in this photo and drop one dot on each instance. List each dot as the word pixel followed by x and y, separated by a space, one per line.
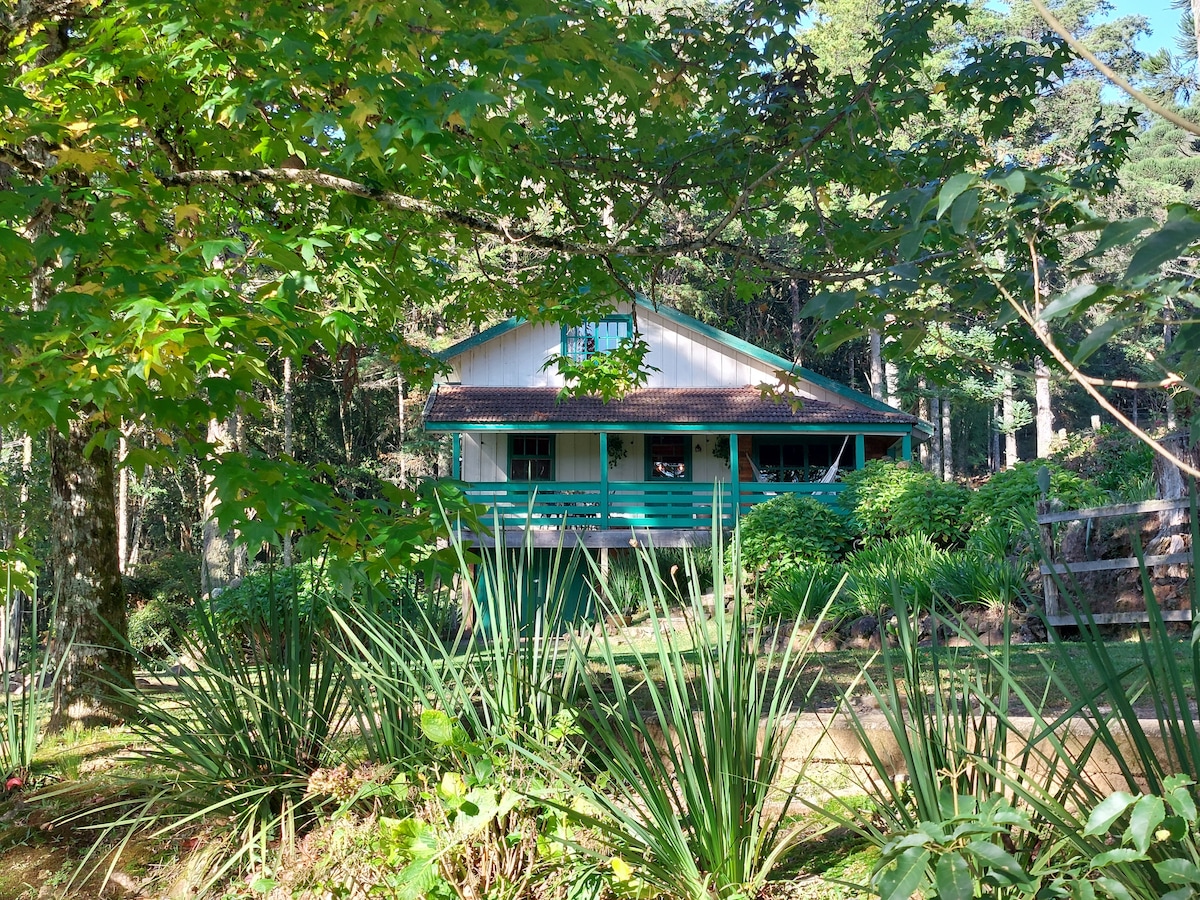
pixel 155 626
pixel 1016 490
pixel 788 531
pixel 1111 458
pixel 888 499
pixel 161 592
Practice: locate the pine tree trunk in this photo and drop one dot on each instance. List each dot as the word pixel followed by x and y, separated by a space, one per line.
pixel 797 321
pixel 1045 416
pixel 947 444
pixel 89 614
pixel 1195 10
pixel 994 463
pixel 876 365
pixel 1170 483
pixel 1010 420
pixel 923 414
pixel 935 442
pixel 288 441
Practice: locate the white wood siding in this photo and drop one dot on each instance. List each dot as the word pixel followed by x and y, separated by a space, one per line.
pixel 683 357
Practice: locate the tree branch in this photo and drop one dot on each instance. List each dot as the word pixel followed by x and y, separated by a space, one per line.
pixel 1043 335
pixel 515 234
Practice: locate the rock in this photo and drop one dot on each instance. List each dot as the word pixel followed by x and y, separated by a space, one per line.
pixel 863 634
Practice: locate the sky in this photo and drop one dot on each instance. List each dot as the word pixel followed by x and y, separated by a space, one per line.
pixel 1163 21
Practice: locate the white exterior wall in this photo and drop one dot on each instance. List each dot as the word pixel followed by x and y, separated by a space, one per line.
pixel 683 357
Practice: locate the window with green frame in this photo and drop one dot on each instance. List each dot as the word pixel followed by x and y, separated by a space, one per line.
pixel 668 457
pixel 581 342
pixel 531 457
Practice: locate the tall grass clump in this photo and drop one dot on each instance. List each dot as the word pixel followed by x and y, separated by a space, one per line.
pixel 685 756
pixel 26 700
pixel 241 734
pixel 953 716
pixel 509 671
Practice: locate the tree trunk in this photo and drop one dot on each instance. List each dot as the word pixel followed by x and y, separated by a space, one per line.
pixel 947 444
pixel 876 365
pixel 1045 416
pixel 1174 534
pixel 796 305
pixel 219 556
pixel 288 442
pixel 89 614
pixel 935 442
pixel 923 414
pixel 1168 332
pixel 401 424
pixel 1195 9
pixel 122 507
pixel 1010 421
pixel 994 463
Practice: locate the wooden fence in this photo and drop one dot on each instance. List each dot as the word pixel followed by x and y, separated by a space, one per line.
pixel 1046 521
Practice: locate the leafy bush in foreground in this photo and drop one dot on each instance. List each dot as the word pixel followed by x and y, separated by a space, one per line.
pixel 788 531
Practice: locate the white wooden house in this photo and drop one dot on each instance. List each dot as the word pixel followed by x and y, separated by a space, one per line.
pixel 653 458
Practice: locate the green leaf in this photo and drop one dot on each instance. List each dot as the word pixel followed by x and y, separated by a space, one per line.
pixel 1098 337
pixel 1178 871
pixel 1164 245
pixel 1065 302
pixel 1108 811
pixel 963 211
pixel 953 877
pixel 1144 820
pixel 998 860
pixel 900 879
pixel 1117 234
pixel 1013 181
pixel 1116 855
pixel 954 186
pixel 437 727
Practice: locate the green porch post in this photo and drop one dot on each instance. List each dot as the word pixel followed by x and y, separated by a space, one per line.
pixel 603 480
pixel 456 456
pixel 906 448
pixel 735 484
pixel 860 451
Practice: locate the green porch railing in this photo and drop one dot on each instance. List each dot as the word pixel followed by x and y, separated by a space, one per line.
pixel 630 504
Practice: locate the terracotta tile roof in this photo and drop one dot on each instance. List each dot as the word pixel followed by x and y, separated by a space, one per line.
pixel 452 403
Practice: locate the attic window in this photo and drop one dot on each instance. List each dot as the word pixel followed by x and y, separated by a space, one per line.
pixel 582 342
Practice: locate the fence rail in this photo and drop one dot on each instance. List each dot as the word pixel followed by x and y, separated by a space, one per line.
pixel 1046 521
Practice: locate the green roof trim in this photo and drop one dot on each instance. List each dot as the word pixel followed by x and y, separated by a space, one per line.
pixel 716 334
pixel 482 338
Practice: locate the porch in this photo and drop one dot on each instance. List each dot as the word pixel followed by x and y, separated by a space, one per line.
pixel 631 505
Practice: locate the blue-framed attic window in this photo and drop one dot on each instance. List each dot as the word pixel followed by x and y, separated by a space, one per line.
pixel 582 342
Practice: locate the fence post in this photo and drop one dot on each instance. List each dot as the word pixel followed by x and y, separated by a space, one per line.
pixel 1049 587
